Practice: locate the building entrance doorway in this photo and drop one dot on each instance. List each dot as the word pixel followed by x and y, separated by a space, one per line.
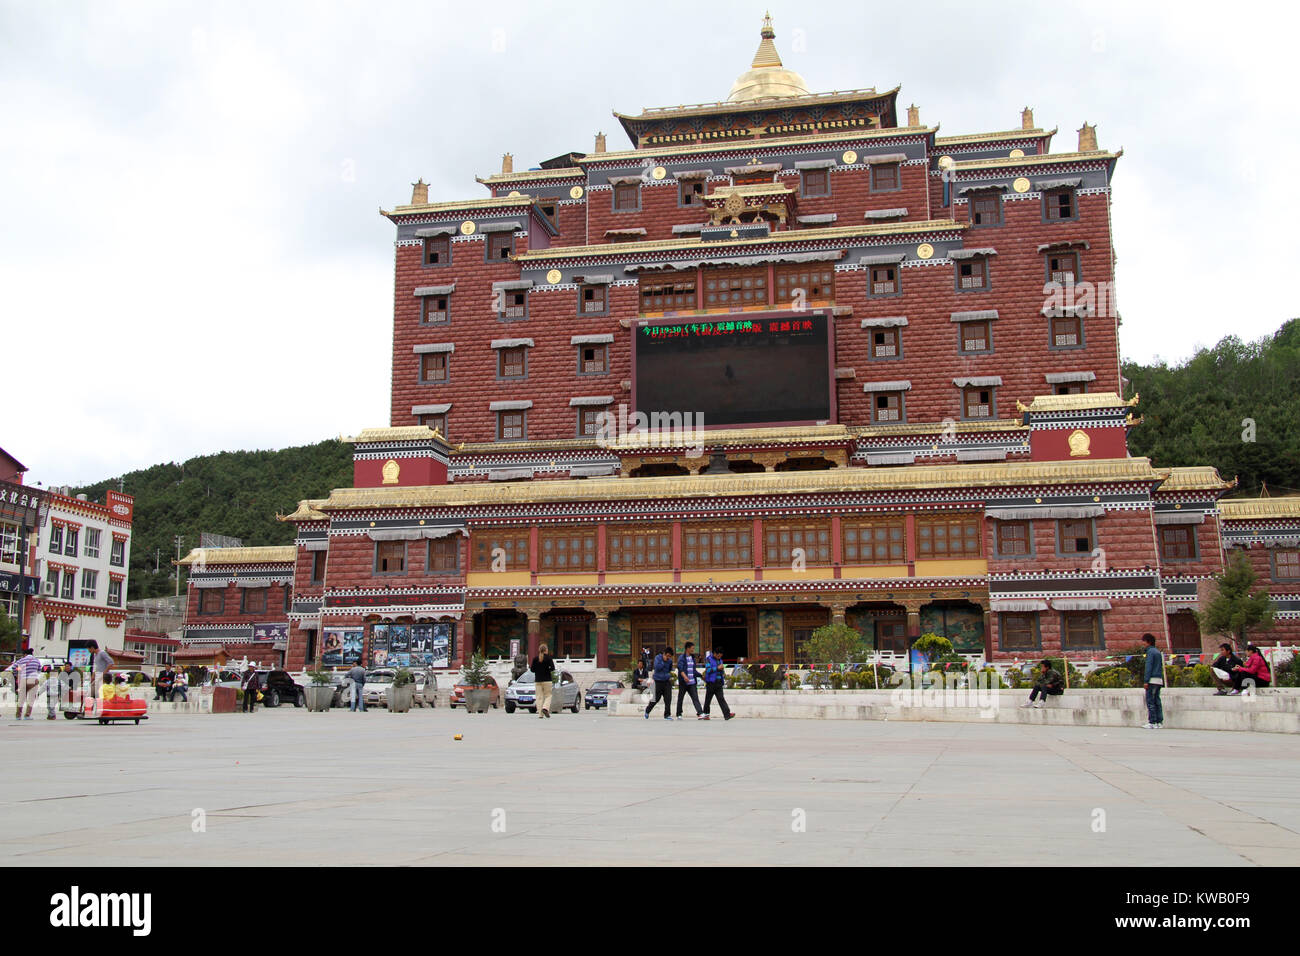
pixel 728 633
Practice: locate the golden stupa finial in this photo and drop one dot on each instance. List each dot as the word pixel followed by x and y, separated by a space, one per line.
pixel 766 55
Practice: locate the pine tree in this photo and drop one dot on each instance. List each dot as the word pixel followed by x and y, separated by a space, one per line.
pixel 1235 609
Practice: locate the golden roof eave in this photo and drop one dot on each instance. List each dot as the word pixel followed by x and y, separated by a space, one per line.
pixel 760 146
pixel 308 510
pixel 712 438
pixel 1248 509
pixel 1195 478
pixel 460 205
pixel 934 428
pixel 787 102
pixel 624 249
pixel 1035 133
pixel 971 478
pixel 569 172
pixel 395 433
pixel 1086 401
pixel 1046 159
pixel 274 554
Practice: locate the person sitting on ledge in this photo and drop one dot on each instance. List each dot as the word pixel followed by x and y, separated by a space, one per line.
pixel 1255 669
pixel 1046 681
pixel 1224 665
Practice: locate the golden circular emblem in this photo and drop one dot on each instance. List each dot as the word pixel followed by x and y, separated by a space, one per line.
pixel 946 162
pixel 467 228
pixel 924 251
pixel 658 172
pixel 734 204
pixel 575 192
pixel 554 276
pixel 1017 154
pixel 1021 185
pixel 514 194
pixel 849 157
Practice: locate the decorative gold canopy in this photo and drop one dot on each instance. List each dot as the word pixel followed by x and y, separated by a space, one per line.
pixel 766 78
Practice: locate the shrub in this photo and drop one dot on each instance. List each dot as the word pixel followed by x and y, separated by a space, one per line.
pixel 319 678
pixel 933 646
pixel 403 677
pixel 475 673
pixel 1109 678
pixel 1201 676
pixel 794 681
pixel 837 680
pixel 1015 678
pixel 1287 673
pixel 836 644
pixel 989 677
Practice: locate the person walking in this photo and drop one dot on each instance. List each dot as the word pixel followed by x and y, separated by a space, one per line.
pixel 663 677
pixel 100 666
pixel 1222 669
pixel 686 681
pixel 252 684
pixel 358 677
pixel 714 677
pixel 27 677
pixel 543 668
pixel 1153 680
pixel 1047 681
pixel 1255 669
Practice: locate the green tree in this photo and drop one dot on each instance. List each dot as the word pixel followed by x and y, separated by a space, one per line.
pixel 10 634
pixel 1235 609
pixel 935 647
pixel 836 644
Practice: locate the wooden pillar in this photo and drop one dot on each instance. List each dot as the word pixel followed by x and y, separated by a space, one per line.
pixel 677 552
pixel 837 613
pixel 602 638
pixel 534 631
pixel 913 607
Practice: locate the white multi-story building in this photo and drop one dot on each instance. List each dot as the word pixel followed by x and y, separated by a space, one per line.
pixel 84 552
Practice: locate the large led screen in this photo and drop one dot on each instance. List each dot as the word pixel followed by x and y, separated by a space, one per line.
pixel 737 369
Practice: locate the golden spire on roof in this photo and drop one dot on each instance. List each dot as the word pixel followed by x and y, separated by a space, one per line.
pixel 766 78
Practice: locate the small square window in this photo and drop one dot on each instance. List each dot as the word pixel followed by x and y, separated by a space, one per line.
pixel 1058 205
pixel 972 274
pixel 1067 332
pixel 1286 564
pixel 589 421
pixel 1177 543
pixel 1063 267
pixel 1014 539
pixel 690 192
pixel 514 305
pixel 511 426
pixel 436 422
pixel 433 367
pixel 884 177
pixel 1076 536
pixel 593 359
pixel 1018 632
pixel 512 363
pixel 435 309
pixel 437 251
pixel 885 344
pixel 986 210
pixel 1070 388
pixel 592 300
pixel 978 402
pixel 816 182
pixel 1081 630
pixel 887 407
pixel 500 245
pixel 975 337
pixel 627 197
pixel 883 280
pixel 390 557
pixel 212 601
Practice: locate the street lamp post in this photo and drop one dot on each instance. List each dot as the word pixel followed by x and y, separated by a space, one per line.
pixel 180 540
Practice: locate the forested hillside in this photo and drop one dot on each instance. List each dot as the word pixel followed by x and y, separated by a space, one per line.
pixel 1200 412
pixel 234 493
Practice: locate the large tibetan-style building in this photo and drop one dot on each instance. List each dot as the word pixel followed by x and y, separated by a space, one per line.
pixel 791 358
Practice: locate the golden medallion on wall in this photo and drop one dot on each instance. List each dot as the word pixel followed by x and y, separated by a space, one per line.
pixel 467 228
pixel 513 194
pixel 1021 185
pixel 849 157
pixel 946 162
pixel 575 192
pixel 658 172
pixel 1017 154
pixel 924 251
pixel 554 276
pixel 1080 444
pixel 391 471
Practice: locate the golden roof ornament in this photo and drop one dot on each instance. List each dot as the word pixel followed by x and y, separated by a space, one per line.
pixel 767 77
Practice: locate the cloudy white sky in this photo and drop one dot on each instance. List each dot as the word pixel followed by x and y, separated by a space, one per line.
pixel 191 256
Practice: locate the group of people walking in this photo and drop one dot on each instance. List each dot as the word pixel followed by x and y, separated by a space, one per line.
pixel 688 676
pixel 31 677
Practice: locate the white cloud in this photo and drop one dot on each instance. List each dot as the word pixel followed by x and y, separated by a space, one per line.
pixel 191 234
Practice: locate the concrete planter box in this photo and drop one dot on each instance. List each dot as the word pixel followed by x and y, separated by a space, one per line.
pixel 400 699
pixel 319 697
pixel 478 700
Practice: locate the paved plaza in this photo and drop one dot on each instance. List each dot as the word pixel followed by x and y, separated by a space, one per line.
pixel 287 786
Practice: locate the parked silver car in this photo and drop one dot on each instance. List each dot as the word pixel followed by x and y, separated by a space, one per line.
pixel 378 681
pixel 522 693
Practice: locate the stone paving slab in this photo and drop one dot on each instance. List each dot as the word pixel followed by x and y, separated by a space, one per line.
pixel 385 789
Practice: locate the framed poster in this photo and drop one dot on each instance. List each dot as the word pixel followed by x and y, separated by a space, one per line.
pixel 379 645
pixel 442 637
pixel 352 641
pixel 332 646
